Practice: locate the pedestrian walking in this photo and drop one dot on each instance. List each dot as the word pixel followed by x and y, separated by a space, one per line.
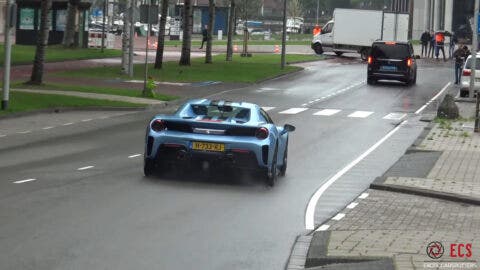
pixel 459 55
pixel 425 39
pixel 204 35
pixel 431 48
pixel 440 45
pixel 453 41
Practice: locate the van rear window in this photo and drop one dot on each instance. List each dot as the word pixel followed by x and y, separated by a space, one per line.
pixel 390 51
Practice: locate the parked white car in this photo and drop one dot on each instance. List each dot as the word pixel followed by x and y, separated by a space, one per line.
pixel 465 79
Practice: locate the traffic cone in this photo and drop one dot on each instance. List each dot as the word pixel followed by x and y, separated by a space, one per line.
pixel 235 48
pixel 277 49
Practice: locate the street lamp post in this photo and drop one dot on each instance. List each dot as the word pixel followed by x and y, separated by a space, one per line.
pixel 284 34
pixel 145 88
pixel 474 63
pixel 9 23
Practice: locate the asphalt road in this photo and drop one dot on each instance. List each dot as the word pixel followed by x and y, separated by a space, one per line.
pixel 89 206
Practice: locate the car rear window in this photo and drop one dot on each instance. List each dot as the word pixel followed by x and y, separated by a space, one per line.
pixel 468 65
pixel 240 114
pixel 390 51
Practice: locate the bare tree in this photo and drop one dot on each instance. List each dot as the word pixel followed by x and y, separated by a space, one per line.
pixel 37 70
pixel 71 25
pixel 187 33
pixel 126 37
pixel 211 24
pixel 161 35
pixel 231 23
pixel 294 8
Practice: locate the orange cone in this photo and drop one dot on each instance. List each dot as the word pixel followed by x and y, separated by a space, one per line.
pixel 277 49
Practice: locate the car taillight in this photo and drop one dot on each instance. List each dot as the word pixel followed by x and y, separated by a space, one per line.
pixel 261 133
pixel 370 60
pixel 466 72
pixel 409 62
pixel 158 125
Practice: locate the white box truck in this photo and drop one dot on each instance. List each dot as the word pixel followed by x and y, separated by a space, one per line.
pixel 354 30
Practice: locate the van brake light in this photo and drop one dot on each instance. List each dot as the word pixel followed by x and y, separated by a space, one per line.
pixel 370 60
pixel 466 72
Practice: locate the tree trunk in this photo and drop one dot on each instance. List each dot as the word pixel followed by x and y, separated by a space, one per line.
pixel 126 37
pixel 71 25
pixel 231 22
pixel 211 24
pixel 161 35
pixel 187 33
pixel 37 71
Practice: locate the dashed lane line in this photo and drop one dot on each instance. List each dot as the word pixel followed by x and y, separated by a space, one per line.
pixel 324 227
pixel 395 116
pixel 363 196
pixel 45 128
pixel 67 124
pixel 293 111
pixel 352 205
pixel 24 132
pixel 360 114
pixel 87 120
pixel 24 181
pixel 338 216
pixel 134 156
pixel 327 112
pixel 85 168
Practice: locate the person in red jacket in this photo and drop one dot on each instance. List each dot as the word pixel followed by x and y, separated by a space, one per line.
pixel 440 44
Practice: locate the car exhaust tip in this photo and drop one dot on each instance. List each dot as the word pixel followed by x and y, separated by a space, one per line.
pixel 182 155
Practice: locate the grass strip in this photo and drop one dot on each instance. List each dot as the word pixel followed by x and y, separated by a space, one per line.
pixel 241 69
pixel 24 102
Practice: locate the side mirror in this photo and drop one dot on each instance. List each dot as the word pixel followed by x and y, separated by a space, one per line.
pixel 288 128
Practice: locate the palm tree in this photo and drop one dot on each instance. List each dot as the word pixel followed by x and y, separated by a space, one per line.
pixel 187 33
pixel 231 23
pixel 69 33
pixel 161 35
pixel 37 71
pixel 211 23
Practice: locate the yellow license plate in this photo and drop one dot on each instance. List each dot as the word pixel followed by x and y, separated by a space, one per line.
pixel 205 146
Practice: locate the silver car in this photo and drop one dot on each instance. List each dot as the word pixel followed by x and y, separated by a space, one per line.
pixel 465 79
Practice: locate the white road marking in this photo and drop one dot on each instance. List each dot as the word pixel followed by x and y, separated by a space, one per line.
pixel 310 213
pixel 86 120
pixel 1 135
pixel 338 216
pixel 327 112
pixel 85 168
pixel 324 227
pixel 293 110
pixel 24 181
pixel 360 114
pixel 103 117
pixel 433 99
pixel 395 116
pixel 352 205
pixel 45 128
pixel 24 132
pixel 67 124
pixel 269 89
pixel 268 108
pixel 134 156
pixel 363 196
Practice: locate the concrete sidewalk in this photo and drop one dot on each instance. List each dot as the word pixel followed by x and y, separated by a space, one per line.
pixel 424 213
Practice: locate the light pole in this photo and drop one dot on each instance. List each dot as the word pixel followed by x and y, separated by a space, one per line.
pixel 145 88
pixel 284 34
pixel 474 63
pixel 318 6
pixel 103 23
pixel 9 23
pixel 133 5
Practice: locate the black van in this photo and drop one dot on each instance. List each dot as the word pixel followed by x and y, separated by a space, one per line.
pixel 392 60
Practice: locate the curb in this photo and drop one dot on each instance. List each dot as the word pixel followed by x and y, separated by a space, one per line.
pixel 280 76
pixel 71 109
pixel 426 193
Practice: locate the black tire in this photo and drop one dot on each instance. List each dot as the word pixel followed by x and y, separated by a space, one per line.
pixel 148 167
pixel 272 174
pixel 339 53
pixel 463 93
pixel 317 48
pixel 283 169
pixel 415 79
pixel 371 81
pixel 364 53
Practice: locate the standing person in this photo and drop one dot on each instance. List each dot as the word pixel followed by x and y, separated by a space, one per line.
pixel 425 39
pixel 204 35
pixel 453 41
pixel 440 44
pixel 431 49
pixel 460 56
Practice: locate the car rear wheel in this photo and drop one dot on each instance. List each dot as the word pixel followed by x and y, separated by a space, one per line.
pixel 463 93
pixel 364 54
pixel 148 167
pixel 283 169
pixel 272 173
pixel 371 81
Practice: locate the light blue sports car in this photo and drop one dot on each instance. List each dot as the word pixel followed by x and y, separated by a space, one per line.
pixel 212 133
